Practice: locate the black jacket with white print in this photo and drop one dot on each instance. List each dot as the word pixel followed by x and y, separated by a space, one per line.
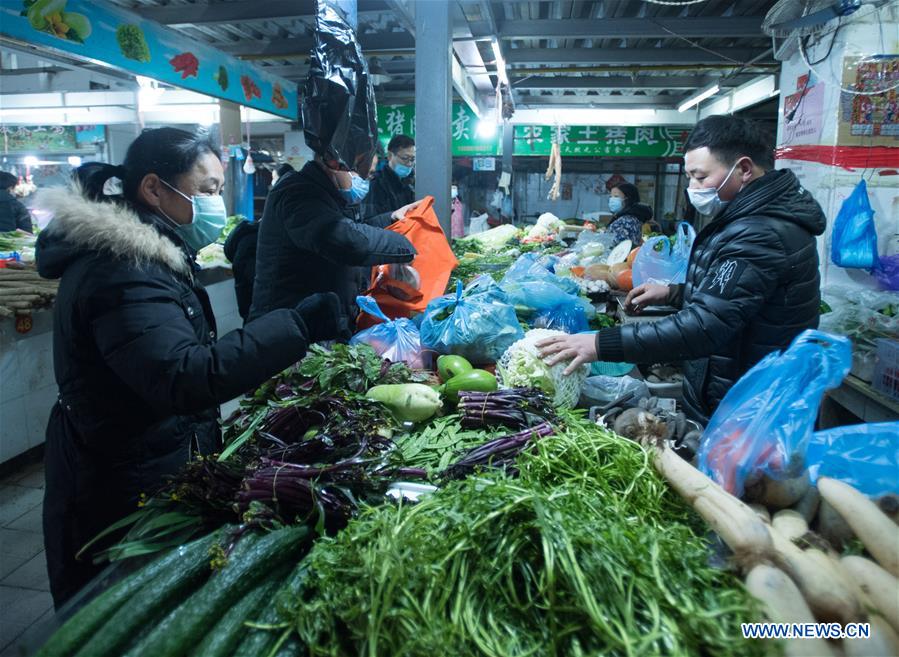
pixel 752 286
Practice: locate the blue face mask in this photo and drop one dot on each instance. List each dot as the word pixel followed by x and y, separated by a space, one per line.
pixel 615 204
pixel 357 192
pixel 209 217
pixel 402 170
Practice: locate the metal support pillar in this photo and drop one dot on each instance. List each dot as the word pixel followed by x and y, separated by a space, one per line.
pixel 508 152
pixel 433 105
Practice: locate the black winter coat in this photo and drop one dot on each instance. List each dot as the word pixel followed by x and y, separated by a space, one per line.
pixel 310 241
pixel 139 369
pixel 387 193
pixel 240 249
pixel 13 214
pixel 752 286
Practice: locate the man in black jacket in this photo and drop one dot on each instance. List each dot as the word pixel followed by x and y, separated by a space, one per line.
pixel 311 239
pixel 752 284
pixel 390 188
pixel 13 215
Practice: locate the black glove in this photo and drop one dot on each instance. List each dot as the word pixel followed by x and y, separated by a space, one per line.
pixel 324 317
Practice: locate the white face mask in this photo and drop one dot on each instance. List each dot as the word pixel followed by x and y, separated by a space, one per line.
pixel 454 191
pixel 707 201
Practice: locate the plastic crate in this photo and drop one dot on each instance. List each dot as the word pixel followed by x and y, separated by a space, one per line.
pixel 886 368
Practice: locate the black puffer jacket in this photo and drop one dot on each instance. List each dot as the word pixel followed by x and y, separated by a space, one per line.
pixel 752 286
pixel 387 193
pixel 311 241
pixel 139 370
pixel 240 249
pixel 13 214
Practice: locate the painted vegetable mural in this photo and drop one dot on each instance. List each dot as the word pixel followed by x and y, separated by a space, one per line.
pixel 132 43
pixel 50 16
pixel 186 64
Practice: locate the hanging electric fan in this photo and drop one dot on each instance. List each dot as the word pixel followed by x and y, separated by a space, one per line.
pixel 791 20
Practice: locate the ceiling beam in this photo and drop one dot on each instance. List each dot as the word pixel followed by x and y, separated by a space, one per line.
pixel 626 55
pixel 218 13
pixel 302 46
pixel 622 82
pixel 631 28
pixel 663 102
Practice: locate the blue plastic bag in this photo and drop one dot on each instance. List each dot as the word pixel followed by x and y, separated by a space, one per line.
pixel 477 323
pixel 865 456
pixel 397 340
pixel 530 283
pixel 887 272
pixel 854 238
pixel 530 267
pixel 764 423
pixel 668 264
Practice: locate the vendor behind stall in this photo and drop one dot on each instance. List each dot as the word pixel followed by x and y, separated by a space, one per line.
pixel 629 214
pixel 390 186
pixel 752 283
pixel 140 368
pixel 13 214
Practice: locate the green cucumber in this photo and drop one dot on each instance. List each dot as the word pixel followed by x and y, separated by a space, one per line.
pixel 451 365
pixel 157 597
pixel 293 647
pixel 228 632
pixel 84 624
pixel 175 635
pixel 260 642
pixel 475 380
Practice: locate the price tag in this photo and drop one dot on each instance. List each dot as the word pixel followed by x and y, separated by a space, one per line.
pixel 23 323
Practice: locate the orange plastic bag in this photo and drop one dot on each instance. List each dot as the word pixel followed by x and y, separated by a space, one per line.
pixel 434 263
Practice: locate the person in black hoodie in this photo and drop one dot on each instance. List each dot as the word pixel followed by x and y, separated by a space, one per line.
pixel 140 368
pixel 312 239
pixel 390 188
pixel 752 283
pixel 13 215
pixel 629 213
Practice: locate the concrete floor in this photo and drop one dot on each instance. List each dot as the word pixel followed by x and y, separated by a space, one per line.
pixel 24 589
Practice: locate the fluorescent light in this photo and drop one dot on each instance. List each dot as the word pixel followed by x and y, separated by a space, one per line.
pixel 149 93
pixel 486 128
pixel 74 160
pixel 697 98
pixel 30 161
pixel 500 62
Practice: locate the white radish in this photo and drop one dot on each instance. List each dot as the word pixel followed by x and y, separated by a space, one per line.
pixel 784 603
pixel 881 588
pixel 828 596
pixel 761 512
pixel 737 525
pixel 875 530
pixel 883 641
pixel 790 523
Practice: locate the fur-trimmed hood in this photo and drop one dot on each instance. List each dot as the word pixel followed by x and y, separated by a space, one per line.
pixel 80 225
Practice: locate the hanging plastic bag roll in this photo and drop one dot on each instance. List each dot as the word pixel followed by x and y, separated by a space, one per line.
pixel 338 111
pixel 854 239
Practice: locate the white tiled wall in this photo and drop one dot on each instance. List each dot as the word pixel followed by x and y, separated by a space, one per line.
pixel 27 386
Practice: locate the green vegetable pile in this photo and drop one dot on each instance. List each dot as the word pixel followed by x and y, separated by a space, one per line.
pixel 547 535
pixel 586 553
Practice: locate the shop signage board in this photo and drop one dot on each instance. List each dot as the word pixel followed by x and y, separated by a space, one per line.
pixel 400 120
pixel 578 141
pixel 95 31
pixel 484 164
pixel 38 138
pixel 601 141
